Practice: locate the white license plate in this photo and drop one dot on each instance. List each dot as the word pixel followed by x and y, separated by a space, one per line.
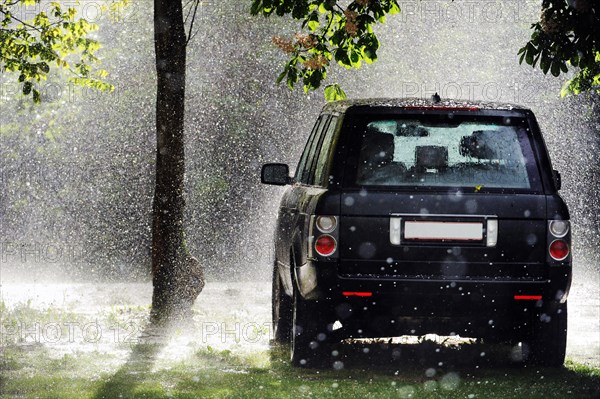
pixel 443 231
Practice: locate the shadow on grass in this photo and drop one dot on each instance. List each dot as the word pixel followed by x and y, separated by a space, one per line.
pixel 418 362
pixel 426 354
pixel 432 370
pixel 374 369
pixel 134 373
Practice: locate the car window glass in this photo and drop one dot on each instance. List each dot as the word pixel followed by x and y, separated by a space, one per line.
pixel 475 154
pixel 307 148
pixel 324 155
pixel 307 171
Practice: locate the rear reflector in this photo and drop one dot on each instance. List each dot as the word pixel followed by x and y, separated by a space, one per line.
pixel 357 293
pixel 528 297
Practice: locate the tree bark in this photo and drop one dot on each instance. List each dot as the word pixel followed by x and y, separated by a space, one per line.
pixel 177 277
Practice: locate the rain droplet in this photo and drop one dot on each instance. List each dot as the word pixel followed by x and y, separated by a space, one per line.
pixel 531 239
pixel 450 381
pixel 338 365
pixel 366 250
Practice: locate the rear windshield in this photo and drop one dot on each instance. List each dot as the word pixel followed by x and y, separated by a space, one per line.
pixel 445 153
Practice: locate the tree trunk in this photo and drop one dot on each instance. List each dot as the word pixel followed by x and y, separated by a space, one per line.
pixel 177 277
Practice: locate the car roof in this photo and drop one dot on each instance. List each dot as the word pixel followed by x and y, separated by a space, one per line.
pixel 421 103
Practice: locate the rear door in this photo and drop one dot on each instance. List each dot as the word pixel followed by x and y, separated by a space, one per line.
pixel 453 196
pixel 300 200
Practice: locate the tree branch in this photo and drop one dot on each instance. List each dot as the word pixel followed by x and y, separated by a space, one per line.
pixel 2 11
pixel 190 35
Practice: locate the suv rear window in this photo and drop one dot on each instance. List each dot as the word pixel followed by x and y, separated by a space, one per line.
pixel 445 153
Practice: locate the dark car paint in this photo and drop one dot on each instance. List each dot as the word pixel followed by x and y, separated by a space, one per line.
pixel 422 281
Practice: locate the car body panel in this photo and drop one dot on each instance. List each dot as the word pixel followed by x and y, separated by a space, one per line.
pixel 422 285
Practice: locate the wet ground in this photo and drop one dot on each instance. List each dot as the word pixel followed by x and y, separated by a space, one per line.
pixel 86 317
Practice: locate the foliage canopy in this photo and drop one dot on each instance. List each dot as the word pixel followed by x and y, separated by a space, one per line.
pixel 567 33
pixel 55 34
pixel 335 31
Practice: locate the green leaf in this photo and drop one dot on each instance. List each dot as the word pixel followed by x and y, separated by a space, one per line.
pixel 529 57
pixel 334 92
pixel 555 69
pixel 369 55
pixel 44 67
pixel 545 63
pixel 394 9
pixel 292 77
pixel 341 56
pixel 566 89
pixel 27 88
pixel 282 76
pixel 537 57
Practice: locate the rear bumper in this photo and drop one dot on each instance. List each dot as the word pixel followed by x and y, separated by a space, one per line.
pixel 554 288
pixel 442 305
pixel 320 280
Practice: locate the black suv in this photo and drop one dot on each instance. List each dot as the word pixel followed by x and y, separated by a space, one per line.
pixel 408 217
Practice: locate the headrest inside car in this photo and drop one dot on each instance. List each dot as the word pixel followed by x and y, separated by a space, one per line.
pixel 377 149
pixel 431 157
pixel 481 144
pixel 410 130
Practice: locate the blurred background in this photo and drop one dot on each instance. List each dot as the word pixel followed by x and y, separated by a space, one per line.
pixel 76 172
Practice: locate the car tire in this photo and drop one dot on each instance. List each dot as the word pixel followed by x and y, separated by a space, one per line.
pixel 281 305
pixel 310 335
pixel 549 338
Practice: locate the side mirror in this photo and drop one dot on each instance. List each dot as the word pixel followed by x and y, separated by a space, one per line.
pixel 557 179
pixel 275 173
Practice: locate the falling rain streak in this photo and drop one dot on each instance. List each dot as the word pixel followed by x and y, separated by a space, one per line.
pixel 77 171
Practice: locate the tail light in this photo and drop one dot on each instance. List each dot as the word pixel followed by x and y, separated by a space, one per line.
pixel 559 228
pixel 559 239
pixel 323 236
pixel 326 224
pixel 559 249
pixel 325 245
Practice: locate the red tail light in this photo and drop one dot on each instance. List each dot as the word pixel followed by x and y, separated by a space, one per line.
pixel 559 249
pixel 325 245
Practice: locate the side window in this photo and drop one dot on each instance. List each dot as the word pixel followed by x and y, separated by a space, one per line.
pixel 325 154
pixel 311 164
pixel 303 173
pixel 307 147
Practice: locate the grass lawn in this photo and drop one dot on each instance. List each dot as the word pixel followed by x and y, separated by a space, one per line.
pixel 50 351
pixel 33 372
